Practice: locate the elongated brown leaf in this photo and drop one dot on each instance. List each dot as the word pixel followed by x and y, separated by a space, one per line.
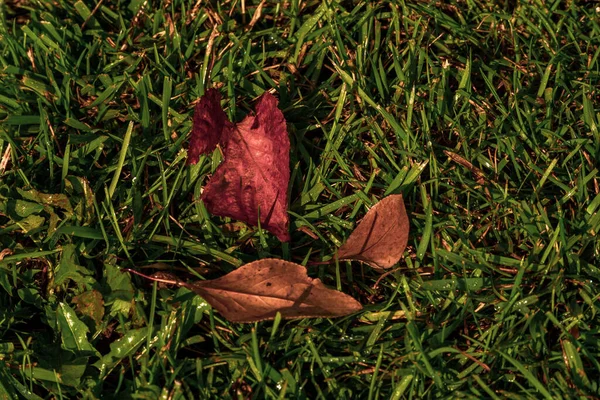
pixel 381 237
pixel 258 290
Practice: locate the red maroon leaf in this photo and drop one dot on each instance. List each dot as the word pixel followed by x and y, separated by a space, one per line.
pixel 209 121
pixel 258 290
pixel 253 178
pixel 382 235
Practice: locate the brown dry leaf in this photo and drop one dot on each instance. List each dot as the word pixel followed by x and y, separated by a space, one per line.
pixel 90 304
pixel 260 289
pixel 381 237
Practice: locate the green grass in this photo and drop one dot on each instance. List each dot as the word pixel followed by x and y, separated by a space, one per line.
pixel 484 115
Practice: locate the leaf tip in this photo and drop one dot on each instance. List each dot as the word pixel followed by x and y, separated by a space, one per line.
pixel 208 123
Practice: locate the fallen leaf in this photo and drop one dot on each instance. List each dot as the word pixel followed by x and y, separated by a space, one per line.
pixel 260 289
pixel 209 121
pixel 253 179
pixel 381 237
pixel 90 304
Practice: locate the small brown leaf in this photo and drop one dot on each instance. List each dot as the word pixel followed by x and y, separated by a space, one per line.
pixel 381 237
pixel 90 304
pixel 258 290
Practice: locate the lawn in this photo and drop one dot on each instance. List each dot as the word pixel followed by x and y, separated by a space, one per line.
pixel 484 115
